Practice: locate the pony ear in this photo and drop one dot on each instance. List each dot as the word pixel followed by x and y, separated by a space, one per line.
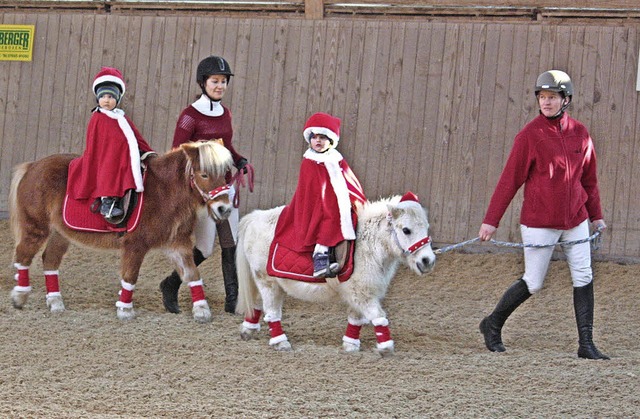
pixel 191 150
pixel 394 211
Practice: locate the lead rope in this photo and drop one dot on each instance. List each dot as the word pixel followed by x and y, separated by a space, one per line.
pixel 238 180
pixel 595 240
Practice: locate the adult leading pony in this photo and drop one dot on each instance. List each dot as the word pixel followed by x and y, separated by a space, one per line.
pixel 389 231
pixel 178 184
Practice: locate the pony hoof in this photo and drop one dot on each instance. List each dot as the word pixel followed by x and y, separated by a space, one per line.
pixel 201 314
pixel 283 346
pixel 386 349
pixel 125 313
pixel 55 304
pixel 19 298
pixel 248 334
pixel 350 347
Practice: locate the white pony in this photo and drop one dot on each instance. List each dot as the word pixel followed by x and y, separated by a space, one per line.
pixel 389 231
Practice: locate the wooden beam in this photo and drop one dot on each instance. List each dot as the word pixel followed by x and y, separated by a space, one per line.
pixel 314 9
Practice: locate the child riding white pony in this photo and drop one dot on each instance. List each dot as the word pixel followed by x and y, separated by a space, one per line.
pixel 389 231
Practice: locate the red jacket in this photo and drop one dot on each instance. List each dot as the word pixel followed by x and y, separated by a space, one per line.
pixel 556 162
pixel 320 210
pixel 110 163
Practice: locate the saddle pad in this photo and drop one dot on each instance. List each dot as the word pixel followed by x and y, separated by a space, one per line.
pixel 77 215
pixel 287 263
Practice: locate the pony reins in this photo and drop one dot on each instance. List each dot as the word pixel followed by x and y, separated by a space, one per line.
pixel 239 181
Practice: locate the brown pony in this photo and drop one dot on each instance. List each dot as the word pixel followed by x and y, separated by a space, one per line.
pixel 174 192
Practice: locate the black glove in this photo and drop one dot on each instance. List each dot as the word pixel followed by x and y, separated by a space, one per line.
pixel 241 165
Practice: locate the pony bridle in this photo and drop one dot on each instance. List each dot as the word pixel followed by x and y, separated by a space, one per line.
pixel 213 194
pixel 414 247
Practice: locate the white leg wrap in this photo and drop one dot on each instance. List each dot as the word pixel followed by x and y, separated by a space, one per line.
pixel 380 321
pixel 249 325
pixel 120 304
pixel 352 341
pixel 277 339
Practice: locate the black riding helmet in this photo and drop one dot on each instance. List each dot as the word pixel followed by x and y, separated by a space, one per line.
pixel 210 66
pixel 556 81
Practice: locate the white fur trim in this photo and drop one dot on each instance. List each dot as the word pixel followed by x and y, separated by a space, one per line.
pixel 385 345
pixel 249 325
pixel 127 286
pixel 380 321
pixel 196 283
pixel 120 304
pixel 53 294
pixel 307 133
pixel 110 78
pixel 134 151
pixel 19 288
pixel 51 273
pixel 277 339
pixel 331 160
pixel 203 105
pixel 20 267
pixel 200 303
pixel 352 341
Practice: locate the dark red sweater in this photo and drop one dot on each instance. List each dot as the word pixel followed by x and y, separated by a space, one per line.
pixel 556 162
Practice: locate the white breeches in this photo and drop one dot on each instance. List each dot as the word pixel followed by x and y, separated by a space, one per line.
pixel 536 260
pixel 205 229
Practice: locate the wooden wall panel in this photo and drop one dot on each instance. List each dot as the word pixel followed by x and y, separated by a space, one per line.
pixel 430 107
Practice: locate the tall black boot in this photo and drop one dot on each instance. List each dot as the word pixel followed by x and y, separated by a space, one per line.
pixel 491 326
pixel 171 284
pixel 583 306
pixel 230 277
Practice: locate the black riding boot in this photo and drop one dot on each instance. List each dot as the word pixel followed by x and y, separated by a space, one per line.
pixel 230 277
pixel 583 305
pixel 171 284
pixel 491 326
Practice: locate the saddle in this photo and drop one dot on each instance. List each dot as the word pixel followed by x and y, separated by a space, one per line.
pixel 287 263
pixel 84 214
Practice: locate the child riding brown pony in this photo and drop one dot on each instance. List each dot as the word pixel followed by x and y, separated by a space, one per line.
pixel 178 185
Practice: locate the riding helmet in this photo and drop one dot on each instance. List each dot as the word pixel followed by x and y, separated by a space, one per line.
pixel 555 81
pixel 210 66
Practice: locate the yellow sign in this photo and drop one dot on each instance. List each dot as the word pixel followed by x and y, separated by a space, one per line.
pixel 16 42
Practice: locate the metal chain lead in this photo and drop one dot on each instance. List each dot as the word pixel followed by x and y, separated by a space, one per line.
pixel 595 240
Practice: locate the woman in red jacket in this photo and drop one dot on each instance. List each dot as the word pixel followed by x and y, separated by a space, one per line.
pixel 208 119
pixel 554 158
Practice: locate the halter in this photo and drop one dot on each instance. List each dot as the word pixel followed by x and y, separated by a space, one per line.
pixel 213 194
pixel 414 247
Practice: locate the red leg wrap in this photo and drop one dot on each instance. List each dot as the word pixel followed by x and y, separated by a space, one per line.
pixel 126 296
pixel 23 277
pixel 382 333
pixel 51 282
pixel 197 293
pixel 353 331
pixel 255 318
pixel 275 328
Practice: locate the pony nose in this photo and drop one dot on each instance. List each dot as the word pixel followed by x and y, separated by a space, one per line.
pixel 220 211
pixel 426 264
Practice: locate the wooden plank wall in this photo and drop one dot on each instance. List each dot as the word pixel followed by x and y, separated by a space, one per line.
pixel 430 107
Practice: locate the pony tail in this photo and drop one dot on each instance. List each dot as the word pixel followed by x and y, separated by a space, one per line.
pixel 18 173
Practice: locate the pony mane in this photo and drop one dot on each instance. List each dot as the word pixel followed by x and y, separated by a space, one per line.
pixel 214 158
pixel 376 208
